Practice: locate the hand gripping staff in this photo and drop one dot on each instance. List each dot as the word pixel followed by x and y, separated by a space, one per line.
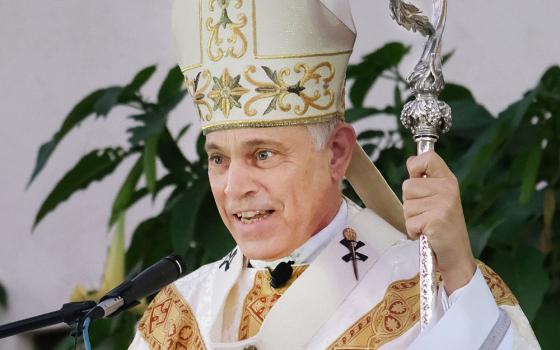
pixel 425 116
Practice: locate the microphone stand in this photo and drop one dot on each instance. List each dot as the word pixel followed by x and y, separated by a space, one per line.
pixel 71 313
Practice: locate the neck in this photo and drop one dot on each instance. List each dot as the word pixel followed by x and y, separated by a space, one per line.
pixel 307 252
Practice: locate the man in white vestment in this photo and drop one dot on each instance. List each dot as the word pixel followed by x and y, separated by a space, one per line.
pixel 311 269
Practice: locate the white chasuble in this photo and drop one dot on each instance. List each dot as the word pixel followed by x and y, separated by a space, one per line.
pixel 324 307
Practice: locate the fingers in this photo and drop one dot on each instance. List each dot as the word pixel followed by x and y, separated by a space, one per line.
pixel 427 187
pixel 430 164
pixel 416 207
pixel 415 226
pixel 428 215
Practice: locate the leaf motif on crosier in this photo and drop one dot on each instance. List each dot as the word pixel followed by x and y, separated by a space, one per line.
pixel 426 113
pixel 410 17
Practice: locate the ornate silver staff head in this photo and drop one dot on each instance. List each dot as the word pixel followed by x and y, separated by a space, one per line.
pixel 425 116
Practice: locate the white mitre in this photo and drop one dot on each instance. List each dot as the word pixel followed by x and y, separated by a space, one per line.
pixel 267 63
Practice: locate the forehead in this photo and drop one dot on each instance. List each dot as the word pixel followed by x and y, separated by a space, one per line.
pixel 250 137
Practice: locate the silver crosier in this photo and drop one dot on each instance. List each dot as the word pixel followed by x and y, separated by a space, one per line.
pixel 425 116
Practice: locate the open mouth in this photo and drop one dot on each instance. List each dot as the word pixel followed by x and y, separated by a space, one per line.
pixel 252 216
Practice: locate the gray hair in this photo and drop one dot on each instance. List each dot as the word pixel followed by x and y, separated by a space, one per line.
pixel 320 133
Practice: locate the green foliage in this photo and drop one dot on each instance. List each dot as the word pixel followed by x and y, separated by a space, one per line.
pixel 98 103
pixel 3 298
pixel 498 162
pixel 107 334
pixel 94 166
pixel 371 68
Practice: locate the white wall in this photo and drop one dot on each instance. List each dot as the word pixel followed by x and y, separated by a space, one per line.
pixel 54 52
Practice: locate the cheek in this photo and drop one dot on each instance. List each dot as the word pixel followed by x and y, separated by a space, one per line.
pixel 302 190
pixel 217 188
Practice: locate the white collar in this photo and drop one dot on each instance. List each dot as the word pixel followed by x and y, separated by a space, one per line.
pixel 307 252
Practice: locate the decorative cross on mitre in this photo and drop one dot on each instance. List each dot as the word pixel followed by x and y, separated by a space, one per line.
pixel 267 63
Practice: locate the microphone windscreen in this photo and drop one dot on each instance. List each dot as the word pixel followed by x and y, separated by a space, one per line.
pixel 154 278
pixel 281 274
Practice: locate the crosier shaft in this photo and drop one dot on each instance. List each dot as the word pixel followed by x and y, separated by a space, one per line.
pixel 427 269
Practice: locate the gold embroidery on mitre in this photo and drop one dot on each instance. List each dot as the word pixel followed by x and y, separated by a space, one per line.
pixel 311 89
pixel 169 323
pixel 260 300
pixel 236 41
pixel 226 92
pixel 236 124
pixel 198 92
pixel 277 89
pixel 501 292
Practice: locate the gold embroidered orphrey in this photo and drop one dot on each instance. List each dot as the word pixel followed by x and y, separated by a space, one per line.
pixel 260 300
pixel 169 323
pixel 235 44
pixel 399 310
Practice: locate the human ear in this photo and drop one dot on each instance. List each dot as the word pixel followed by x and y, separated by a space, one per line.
pixel 340 143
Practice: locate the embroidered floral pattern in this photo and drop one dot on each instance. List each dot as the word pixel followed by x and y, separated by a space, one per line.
pixel 169 323
pixel 311 89
pixel 277 89
pixel 198 92
pixel 236 42
pixel 226 92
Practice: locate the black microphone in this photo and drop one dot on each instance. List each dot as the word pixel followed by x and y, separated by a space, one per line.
pixel 281 274
pixel 146 283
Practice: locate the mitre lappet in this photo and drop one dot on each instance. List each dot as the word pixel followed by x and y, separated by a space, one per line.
pixel 270 63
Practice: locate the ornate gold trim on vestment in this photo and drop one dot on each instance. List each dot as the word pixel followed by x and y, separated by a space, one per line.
pixel 501 292
pixel 260 300
pixel 169 323
pixel 399 310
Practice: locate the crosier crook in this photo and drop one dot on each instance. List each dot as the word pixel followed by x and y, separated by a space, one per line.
pixel 426 117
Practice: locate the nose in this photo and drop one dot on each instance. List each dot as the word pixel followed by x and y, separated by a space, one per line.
pixel 241 182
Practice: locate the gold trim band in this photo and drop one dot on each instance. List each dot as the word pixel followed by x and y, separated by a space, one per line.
pixel 189 67
pixel 267 57
pixel 237 124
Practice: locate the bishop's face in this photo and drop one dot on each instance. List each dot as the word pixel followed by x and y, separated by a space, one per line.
pixel 273 189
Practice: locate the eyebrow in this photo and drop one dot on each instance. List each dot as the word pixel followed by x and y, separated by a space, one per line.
pixel 251 143
pixel 211 147
pixel 262 142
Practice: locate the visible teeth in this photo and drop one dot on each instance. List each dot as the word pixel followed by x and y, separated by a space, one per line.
pixel 250 214
pixel 247 217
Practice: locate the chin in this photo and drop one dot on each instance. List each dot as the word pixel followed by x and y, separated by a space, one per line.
pixel 255 251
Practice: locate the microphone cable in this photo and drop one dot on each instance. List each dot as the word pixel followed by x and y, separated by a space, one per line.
pixel 85 331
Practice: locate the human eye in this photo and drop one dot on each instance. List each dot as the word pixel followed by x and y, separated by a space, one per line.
pixel 263 155
pixel 215 160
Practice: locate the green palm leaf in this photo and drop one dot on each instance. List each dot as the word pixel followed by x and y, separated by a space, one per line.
pixel 92 167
